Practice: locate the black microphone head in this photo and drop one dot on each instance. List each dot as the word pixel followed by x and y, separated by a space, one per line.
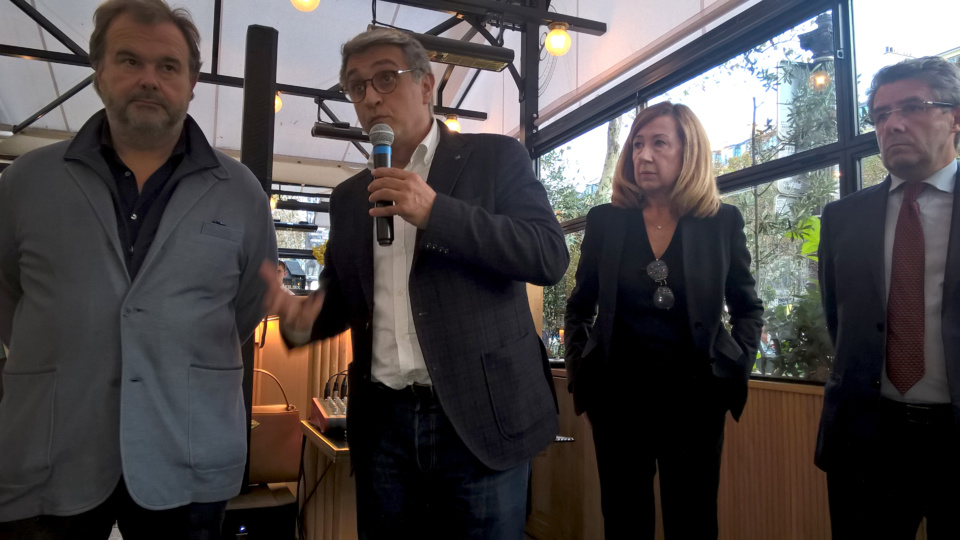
pixel 381 135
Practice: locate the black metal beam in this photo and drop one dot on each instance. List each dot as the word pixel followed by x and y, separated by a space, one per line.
pixel 323 206
pixel 332 94
pixel 444 26
pixel 26 53
pixel 217 20
pixel 49 27
pixel 288 253
pixel 308 227
pixel 509 12
pixel 498 42
pixel 443 84
pixel 529 89
pixel 53 104
pixel 462 113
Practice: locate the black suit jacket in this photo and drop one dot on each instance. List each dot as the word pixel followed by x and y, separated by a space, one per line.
pixel 853 286
pixel 717 267
pixel 490 231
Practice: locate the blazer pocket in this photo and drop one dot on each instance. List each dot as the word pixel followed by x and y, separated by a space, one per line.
pixel 217 417
pixel 26 415
pixel 519 392
pixel 210 228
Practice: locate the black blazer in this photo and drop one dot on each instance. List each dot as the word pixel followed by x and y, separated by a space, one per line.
pixel 490 231
pixel 853 286
pixel 717 267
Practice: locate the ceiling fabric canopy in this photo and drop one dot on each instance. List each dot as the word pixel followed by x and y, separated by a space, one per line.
pixel 309 56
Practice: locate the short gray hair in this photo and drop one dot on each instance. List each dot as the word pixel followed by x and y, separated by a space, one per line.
pixel 413 52
pixel 143 12
pixel 942 76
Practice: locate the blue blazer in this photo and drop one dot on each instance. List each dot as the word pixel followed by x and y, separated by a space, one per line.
pixel 853 286
pixel 717 268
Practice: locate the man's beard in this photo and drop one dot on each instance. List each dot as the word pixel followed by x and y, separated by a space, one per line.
pixel 142 125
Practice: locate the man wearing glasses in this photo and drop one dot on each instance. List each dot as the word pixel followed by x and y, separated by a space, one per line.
pixel 890 278
pixel 451 394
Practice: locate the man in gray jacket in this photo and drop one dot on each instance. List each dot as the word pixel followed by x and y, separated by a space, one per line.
pixel 128 280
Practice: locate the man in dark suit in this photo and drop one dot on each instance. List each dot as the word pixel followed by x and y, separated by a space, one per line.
pixel 451 393
pixel 890 276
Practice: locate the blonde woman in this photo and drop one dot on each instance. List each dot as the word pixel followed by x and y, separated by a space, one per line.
pixel 647 357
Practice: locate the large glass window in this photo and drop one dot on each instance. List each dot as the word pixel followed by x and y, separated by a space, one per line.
pixel 774 100
pixel 872 171
pixel 782 226
pixel 302 231
pixel 555 300
pixel 578 175
pixel 888 31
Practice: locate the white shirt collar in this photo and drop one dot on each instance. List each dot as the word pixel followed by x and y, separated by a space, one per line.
pixel 942 179
pixel 424 152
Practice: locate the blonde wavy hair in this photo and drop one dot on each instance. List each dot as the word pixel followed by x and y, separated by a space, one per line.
pixel 696 189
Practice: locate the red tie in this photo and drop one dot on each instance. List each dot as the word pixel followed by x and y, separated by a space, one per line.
pixel 905 306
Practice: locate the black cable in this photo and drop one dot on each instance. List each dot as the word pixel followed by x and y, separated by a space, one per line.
pixel 301 474
pixel 310 496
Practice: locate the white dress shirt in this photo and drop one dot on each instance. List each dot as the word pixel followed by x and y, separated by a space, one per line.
pixel 397 357
pixel 936 210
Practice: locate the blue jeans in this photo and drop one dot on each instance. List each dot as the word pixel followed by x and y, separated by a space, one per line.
pixel 420 480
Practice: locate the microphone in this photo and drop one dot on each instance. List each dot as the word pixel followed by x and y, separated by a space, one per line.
pixel 381 135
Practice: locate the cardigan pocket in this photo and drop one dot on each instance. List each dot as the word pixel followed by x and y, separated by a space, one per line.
pixel 217 417
pixel 26 415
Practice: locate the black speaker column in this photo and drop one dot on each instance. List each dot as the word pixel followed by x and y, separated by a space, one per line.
pixel 256 152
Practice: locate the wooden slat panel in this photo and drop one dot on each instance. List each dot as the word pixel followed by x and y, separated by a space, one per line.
pixel 769 487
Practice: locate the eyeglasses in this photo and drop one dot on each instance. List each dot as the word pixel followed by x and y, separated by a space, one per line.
pixel 383 82
pixel 663 296
pixel 908 111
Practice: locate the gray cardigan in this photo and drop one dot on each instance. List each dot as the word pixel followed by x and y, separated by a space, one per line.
pixel 106 376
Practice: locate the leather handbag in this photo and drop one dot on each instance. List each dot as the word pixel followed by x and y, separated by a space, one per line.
pixel 275 441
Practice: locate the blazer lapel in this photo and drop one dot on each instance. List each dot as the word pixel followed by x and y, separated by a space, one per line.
pixel 448 162
pixel 188 192
pixel 609 274
pixel 365 260
pixel 871 245
pixel 700 257
pixel 949 314
pixel 98 194
pixel 951 275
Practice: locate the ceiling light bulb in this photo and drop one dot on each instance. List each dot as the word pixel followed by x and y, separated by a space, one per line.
pixel 558 40
pixel 452 122
pixel 277 103
pixel 305 5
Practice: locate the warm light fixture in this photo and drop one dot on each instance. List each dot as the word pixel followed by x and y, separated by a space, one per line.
pixel 277 103
pixel 558 40
pixel 452 122
pixel 273 201
pixel 819 80
pixel 305 5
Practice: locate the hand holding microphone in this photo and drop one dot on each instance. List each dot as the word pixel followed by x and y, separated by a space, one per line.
pixel 395 192
pixel 381 135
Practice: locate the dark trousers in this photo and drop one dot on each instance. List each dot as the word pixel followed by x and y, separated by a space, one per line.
pixel 914 472
pixel 418 479
pixel 677 430
pixel 191 522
